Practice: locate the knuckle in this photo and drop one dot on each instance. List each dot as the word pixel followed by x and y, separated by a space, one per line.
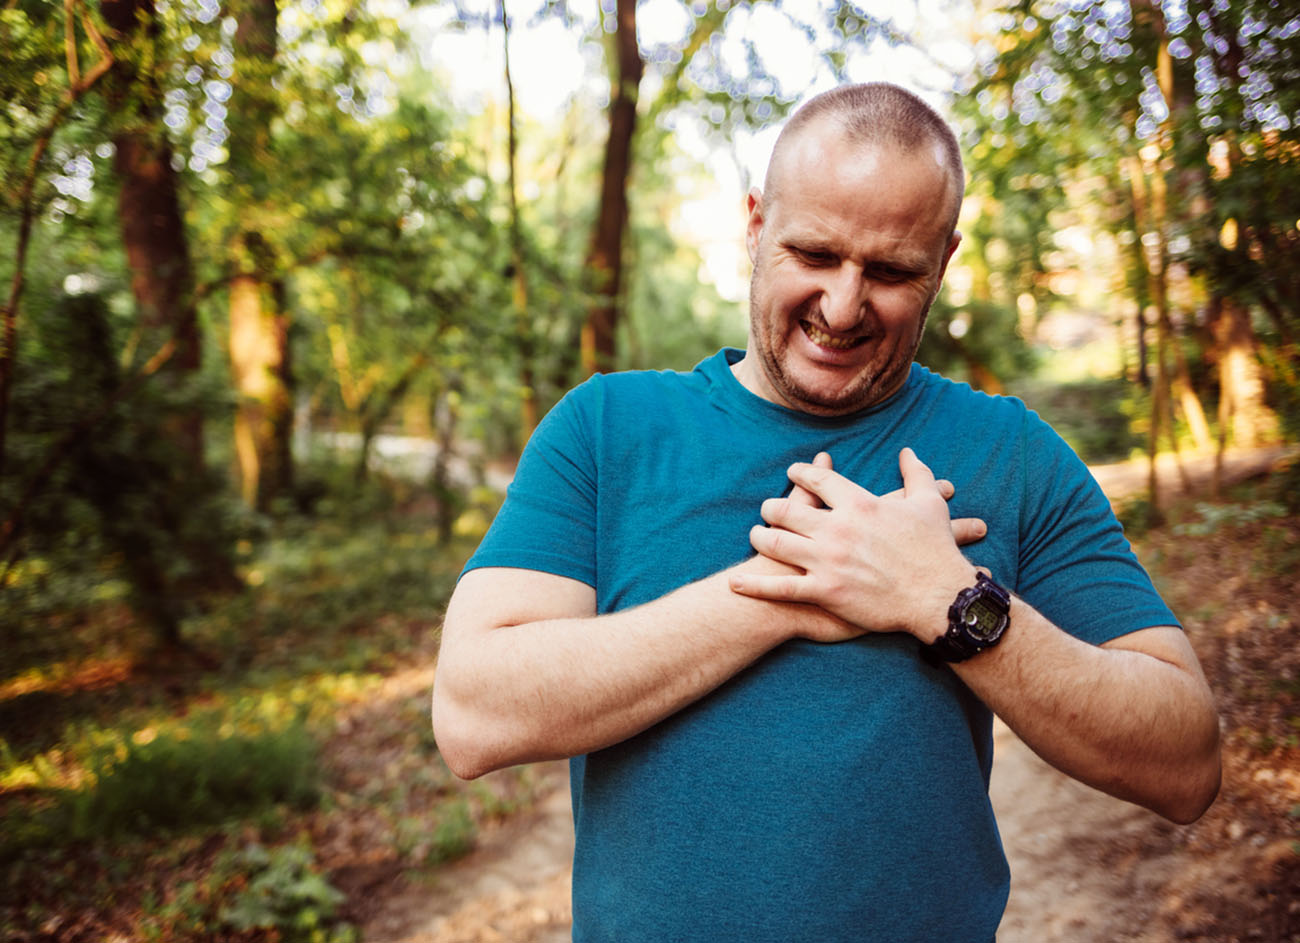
pixel 777 540
pixel 816 475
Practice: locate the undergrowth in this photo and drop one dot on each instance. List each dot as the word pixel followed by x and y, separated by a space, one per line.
pixel 197 796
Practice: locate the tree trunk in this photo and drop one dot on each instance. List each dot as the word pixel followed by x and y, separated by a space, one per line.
pixel 259 357
pixel 149 211
pixel 1140 326
pixel 377 409
pixel 1150 216
pixel 162 283
pixel 446 419
pixel 519 290
pixel 259 326
pixel 604 266
pixel 1244 418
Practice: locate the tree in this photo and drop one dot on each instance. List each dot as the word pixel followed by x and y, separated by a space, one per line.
pixel 605 258
pixel 149 209
pixel 35 118
pixel 259 321
pixel 1158 101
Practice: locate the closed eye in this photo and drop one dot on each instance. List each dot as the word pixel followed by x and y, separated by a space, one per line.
pixel 819 258
pixel 891 273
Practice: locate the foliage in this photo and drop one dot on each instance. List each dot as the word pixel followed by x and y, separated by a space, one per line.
pixel 199 770
pixel 1214 516
pixel 453 835
pixel 978 341
pixel 101 493
pixel 1096 417
pixel 1175 127
pixel 285 892
pixel 122 785
pixel 278 889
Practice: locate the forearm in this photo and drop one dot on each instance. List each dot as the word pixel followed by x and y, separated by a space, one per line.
pixel 1140 725
pixel 560 687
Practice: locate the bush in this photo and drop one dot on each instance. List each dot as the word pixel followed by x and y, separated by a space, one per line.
pixel 279 890
pixel 205 769
pixel 201 773
pixel 286 893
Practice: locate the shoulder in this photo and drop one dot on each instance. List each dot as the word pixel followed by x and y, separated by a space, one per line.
pixel 640 394
pixel 959 402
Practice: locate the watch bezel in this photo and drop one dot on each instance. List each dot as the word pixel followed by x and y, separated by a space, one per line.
pixel 961 641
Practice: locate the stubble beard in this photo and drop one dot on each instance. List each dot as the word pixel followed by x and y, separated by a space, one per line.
pixel 870 386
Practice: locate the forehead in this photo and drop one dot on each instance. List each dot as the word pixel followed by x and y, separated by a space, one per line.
pixel 826 148
pixel 824 185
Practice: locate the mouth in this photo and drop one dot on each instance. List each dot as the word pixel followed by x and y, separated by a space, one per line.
pixel 822 339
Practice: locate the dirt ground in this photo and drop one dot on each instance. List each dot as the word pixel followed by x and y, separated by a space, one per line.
pixel 1086 868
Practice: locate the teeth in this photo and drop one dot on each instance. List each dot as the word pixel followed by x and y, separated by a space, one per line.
pixel 823 339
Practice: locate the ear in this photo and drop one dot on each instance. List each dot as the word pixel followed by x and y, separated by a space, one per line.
pixel 953 243
pixel 754 225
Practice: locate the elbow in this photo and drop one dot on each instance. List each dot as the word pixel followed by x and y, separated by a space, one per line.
pixel 1204 790
pixel 1196 787
pixel 462 750
pixel 1193 801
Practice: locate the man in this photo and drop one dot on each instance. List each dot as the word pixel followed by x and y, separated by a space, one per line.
pixel 779 708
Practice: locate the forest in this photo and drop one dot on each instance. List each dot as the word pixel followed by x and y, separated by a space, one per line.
pixel 287 285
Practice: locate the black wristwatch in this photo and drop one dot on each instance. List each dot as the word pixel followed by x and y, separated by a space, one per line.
pixel 976 622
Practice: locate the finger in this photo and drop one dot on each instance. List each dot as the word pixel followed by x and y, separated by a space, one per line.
pixel 916 474
pixel 827 485
pixel 792 515
pixel 803 496
pixel 967 530
pixel 946 489
pixel 777 543
pixel 781 588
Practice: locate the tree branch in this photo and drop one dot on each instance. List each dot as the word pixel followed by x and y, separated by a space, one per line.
pixel 27 207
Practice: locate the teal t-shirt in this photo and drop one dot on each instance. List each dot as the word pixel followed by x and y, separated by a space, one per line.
pixel 828 792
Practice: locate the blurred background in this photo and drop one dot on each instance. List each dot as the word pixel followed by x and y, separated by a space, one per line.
pixel 287 285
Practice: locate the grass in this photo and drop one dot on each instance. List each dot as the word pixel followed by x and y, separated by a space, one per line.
pixel 171 775
pixel 204 798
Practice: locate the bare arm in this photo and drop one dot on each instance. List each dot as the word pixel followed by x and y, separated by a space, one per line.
pixel 1133 717
pixel 527 671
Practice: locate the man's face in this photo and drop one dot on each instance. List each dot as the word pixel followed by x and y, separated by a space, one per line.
pixel 849 247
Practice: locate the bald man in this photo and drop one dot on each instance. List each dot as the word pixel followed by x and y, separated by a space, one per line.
pixel 770 639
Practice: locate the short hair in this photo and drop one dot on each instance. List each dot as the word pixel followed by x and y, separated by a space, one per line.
pixel 875 112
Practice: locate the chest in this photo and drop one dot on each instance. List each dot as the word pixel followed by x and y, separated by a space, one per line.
pixel 678 496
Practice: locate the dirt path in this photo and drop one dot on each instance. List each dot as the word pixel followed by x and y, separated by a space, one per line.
pixel 1086 868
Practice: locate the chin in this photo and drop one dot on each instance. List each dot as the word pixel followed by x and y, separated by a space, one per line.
pixel 829 399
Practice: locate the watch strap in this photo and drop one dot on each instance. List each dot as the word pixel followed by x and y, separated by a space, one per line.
pixel 959 643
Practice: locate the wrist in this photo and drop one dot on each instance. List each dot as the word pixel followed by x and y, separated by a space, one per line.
pixel 780 620
pixel 977 619
pixel 933 624
pixel 769 622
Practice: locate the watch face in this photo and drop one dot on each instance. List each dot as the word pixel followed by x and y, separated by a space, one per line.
pixel 984 620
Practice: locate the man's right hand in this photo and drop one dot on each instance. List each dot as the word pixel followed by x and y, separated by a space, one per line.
pixel 965 530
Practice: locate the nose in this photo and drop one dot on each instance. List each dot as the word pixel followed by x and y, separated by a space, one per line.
pixel 844 299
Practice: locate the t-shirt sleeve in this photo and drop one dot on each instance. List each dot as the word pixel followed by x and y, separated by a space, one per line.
pixel 1076 567
pixel 548 520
